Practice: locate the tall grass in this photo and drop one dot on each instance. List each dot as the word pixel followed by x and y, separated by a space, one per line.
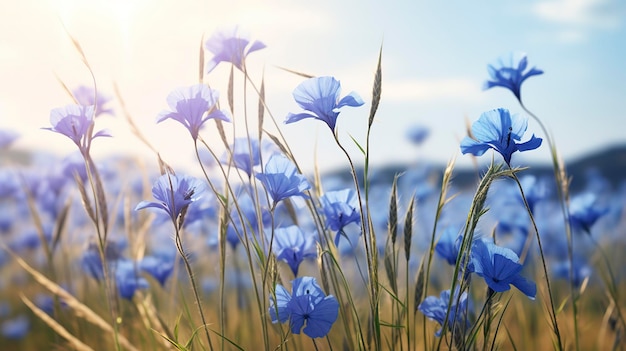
pixel 224 273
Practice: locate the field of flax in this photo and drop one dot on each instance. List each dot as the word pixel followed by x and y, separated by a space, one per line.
pixel 245 252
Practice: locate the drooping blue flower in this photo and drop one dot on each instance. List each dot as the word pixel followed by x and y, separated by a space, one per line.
pixel 306 307
pixel 281 179
pixel 292 245
pixel 500 268
pixel 192 106
pixel 340 209
pixel 173 194
pixel 229 45
pixel 510 72
pixel 498 130
pixel 584 211
pixel 76 122
pixel 86 96
pixel 436 308
pixel 319 97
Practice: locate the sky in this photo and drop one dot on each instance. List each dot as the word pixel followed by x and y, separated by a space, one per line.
pixel 434 59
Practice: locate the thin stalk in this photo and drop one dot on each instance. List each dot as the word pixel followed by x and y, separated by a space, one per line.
pixel 244 242
pixel 102 242
pixel 372 263
pixel 544 265
pixel 431 248
pixel 563 193
pixel 181 251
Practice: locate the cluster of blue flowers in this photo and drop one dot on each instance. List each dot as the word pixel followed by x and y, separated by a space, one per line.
pixel 264 210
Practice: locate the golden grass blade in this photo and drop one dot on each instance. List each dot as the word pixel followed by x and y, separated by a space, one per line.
pixel 133 127
pixel 164 167
pixel 222 132
pixel 408 229
pixel 201 61
pixel 393 212
pixel 323 268
pixel 85 198
pixel 32 207
pixel 101 200
pixel 279 144
pixel 86 62
pixel 420 284
pixel 60 225
pixel 231 91
pixel 67 90
pixel 301 74
pixel 377 89
pixel 261 106
pixel 389 268
pixel 79 309
pixel 58 328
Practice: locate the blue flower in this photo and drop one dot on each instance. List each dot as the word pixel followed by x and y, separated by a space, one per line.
pixel 279 307
pixel 75 122
pixel 319 97
pixel 230 46
pixel 282 180
pixel 510 72
pixel 436 308
pixel 498 130
pixel 448 245
pixel 86 96
pixel 158 266
pixel 584 211
pixel 417 134
pixel 500 268
pixel 340 209
pixel 535 190
pixel 16 328
pixel 582 270
pixel 7 137
pixel 246 154
pixel 173 194
pixel 247 222
pixel 192 106
pixel 128 279
pixel 91 262
pixel 307 307
pixel 293 246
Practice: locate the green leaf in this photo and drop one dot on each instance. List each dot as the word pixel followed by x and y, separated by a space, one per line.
pixel 357 144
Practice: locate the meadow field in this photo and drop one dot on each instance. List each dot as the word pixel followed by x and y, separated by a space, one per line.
pixel 246 251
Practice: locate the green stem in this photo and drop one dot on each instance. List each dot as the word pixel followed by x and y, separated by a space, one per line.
pixel 562 186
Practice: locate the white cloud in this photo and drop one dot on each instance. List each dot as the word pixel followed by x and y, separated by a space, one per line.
pixel 588 13
pixel 578 17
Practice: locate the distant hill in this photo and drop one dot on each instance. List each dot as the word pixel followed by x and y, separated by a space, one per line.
pixel 609 163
